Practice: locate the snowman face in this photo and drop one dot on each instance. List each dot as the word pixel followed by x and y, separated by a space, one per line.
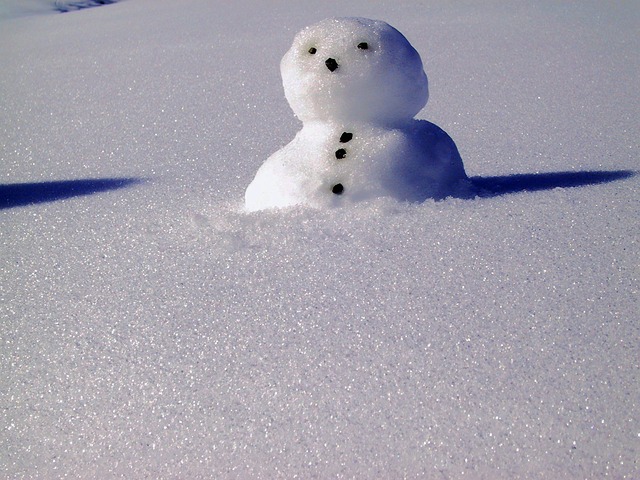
pixel 353 69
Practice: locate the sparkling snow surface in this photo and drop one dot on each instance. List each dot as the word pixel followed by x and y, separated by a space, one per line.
pixel 150 329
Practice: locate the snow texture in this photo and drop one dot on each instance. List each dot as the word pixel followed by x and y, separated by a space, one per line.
pixel 19 8
pixel 151 329
pixel 356 84
pixel 353 69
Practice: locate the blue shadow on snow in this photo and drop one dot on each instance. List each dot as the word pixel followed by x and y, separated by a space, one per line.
pixel 529 182
pixel 21 194
pixel 65 6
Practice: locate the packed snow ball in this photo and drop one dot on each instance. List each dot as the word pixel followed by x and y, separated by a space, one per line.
pixel 356 85
pixel 353 69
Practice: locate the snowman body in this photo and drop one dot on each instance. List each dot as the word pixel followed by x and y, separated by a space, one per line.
pixel 356 84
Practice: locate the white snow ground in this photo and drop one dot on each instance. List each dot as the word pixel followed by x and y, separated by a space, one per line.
pixel 153 331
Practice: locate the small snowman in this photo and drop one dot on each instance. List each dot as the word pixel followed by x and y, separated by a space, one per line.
pixel 356 85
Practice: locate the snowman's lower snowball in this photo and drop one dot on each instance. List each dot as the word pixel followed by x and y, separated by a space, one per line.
pixel 356 85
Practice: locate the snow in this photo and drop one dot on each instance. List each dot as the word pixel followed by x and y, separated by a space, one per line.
pixel 19 8
pixel 356 84
pixel 376 75
pixel 412 161
pixel 150 329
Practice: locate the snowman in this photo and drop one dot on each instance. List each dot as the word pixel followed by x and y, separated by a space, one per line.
pixel 356 85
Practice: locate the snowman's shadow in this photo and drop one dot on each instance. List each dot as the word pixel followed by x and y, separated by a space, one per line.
pixel 503 185
pixel 21 194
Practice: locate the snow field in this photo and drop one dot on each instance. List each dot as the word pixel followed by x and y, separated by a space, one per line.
pixel 158 331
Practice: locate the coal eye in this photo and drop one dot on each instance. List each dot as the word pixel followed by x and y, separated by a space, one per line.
pixel 312 51
pixel 363 46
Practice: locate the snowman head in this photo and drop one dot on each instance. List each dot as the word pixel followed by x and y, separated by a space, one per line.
pixel 353 69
